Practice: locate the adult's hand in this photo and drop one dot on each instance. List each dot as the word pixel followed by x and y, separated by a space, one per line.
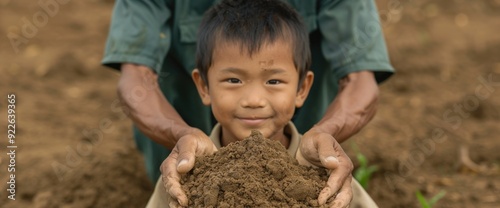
pixel 354 106
pixel 322 150
pixel 181 160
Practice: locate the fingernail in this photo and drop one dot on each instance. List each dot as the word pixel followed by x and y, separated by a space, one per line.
pixel 182 162
pixel 331 159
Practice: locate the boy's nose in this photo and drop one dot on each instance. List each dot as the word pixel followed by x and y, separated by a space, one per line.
pixel 253 99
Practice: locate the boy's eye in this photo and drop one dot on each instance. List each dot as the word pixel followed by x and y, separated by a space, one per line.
pixel 273 82
pixel 233 80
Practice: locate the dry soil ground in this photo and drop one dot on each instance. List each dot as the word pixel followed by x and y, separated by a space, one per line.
pixel 75 147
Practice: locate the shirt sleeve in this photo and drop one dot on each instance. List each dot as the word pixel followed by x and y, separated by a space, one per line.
pixel 352 38
pixel 139 33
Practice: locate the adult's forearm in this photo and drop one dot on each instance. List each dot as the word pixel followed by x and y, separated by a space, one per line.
pixel 354 106
pixel 148 108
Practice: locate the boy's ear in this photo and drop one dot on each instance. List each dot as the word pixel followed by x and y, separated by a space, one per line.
pixel 304 89
pixel 201 86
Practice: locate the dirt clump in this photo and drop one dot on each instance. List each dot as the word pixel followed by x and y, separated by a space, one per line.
pixel 253 172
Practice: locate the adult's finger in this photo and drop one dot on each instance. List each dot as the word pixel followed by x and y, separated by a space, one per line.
pixel 173 204
pixel 340 166
pixel 344 196
pixel 340 190
pixel 328 151
pixel 171 179
pixel 186 147
pixel 189 147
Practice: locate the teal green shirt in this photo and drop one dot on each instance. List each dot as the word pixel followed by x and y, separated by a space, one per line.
pixel 345 37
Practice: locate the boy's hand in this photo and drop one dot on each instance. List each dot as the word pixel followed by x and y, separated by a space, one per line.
pixel 322 150
pixel 181 160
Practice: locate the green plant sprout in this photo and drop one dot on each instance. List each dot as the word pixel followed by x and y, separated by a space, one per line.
pixel 364 172
pixel 428 204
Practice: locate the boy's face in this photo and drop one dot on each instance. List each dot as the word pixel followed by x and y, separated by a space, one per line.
pixel 258 92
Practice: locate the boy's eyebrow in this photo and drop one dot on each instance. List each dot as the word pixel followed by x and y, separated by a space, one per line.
pixel 273 70
pixel 266 70
pixel 233 70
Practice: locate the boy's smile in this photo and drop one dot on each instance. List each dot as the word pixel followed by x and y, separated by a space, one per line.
pixel 253 92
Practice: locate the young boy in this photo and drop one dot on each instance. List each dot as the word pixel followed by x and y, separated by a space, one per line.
pixel 253 70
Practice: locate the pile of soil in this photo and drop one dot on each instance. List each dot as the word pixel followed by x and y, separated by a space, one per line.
pixel 253 172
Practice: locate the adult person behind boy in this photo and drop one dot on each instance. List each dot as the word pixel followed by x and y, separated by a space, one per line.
pixel 243 93
pixel 153 43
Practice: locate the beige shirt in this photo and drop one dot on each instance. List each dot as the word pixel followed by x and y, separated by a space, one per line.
pixel 360 199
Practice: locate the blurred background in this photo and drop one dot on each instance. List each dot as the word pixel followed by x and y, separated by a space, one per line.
pixel 436 132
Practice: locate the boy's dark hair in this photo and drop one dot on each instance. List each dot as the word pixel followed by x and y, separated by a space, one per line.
pixel 252 23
